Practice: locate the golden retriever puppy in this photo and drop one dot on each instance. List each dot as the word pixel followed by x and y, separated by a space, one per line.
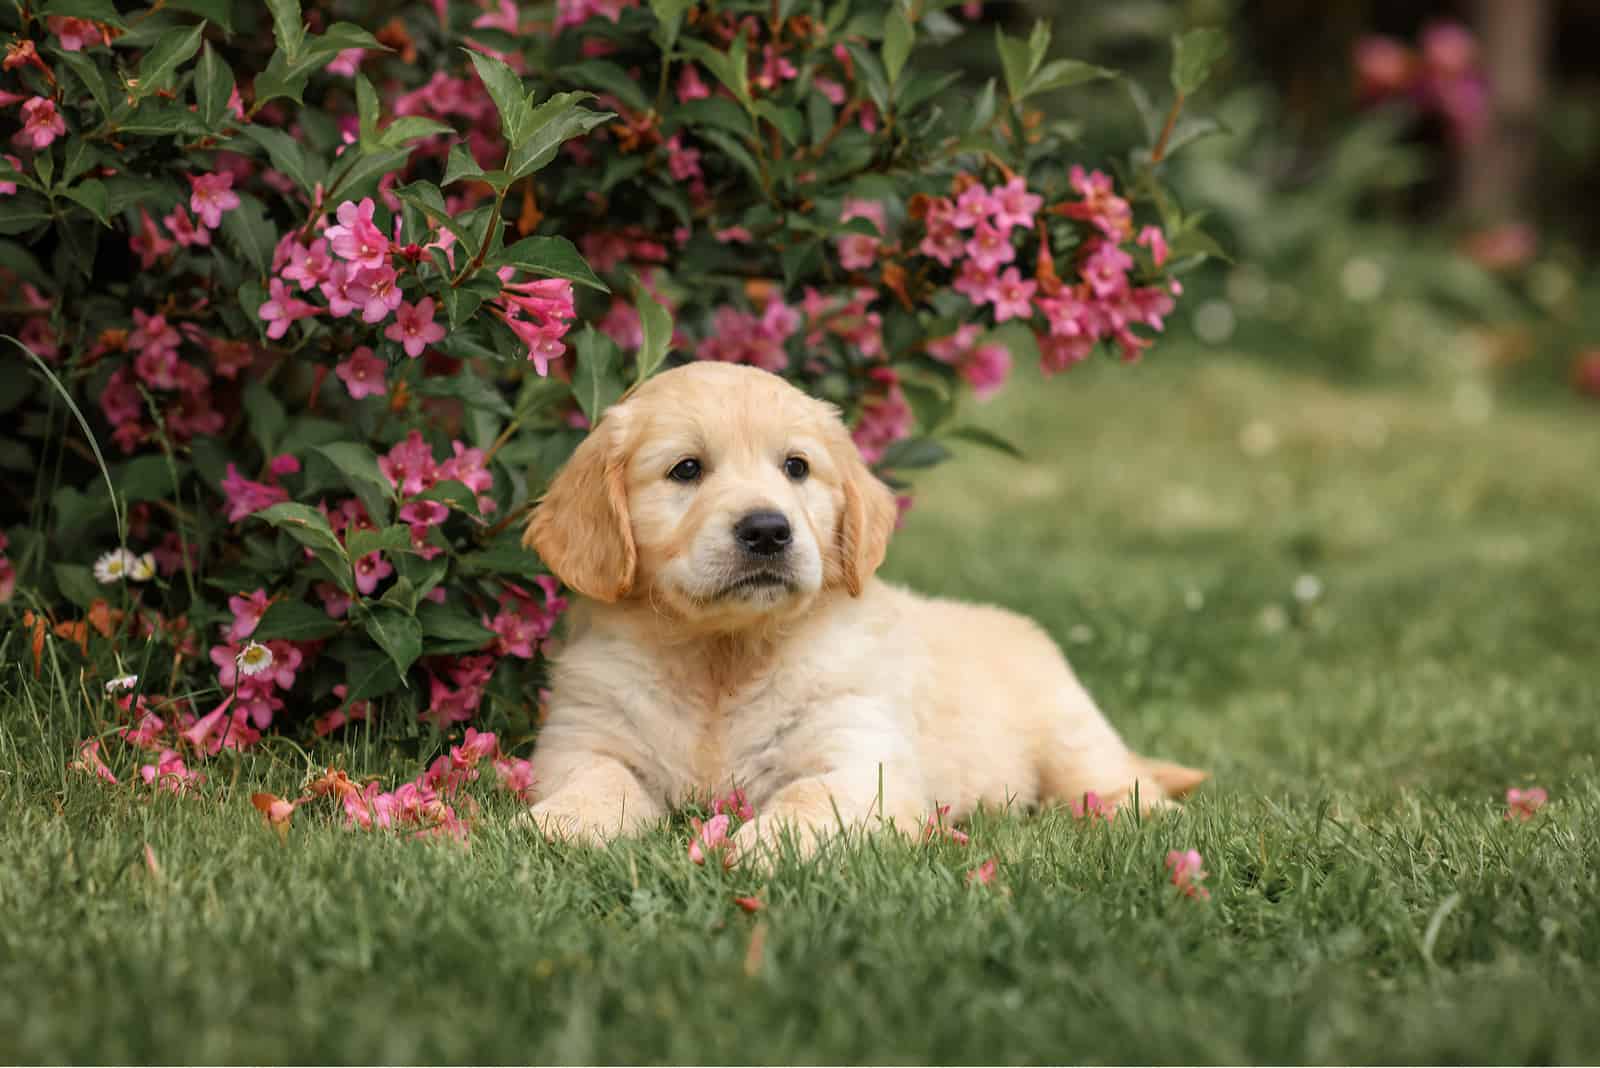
pixel 723 533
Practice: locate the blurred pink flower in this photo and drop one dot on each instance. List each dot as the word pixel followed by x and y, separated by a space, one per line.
pixel 363 374
pixel 41 123
pixel 710 837
pixel 210 195
pixel 983 874
pixel 414 327
pixel 1524 804
pixel 1184 870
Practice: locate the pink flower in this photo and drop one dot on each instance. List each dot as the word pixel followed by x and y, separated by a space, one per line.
pixel 515 774
pixel 364 374
pixel 1384 67
pixel 1184 869
pixel 9 188
pixel 734 804
pixel 983 874
pixel 184 231
pixel 210 195
pixel 1012 297
pixel 885 419
pixel 356 238
pixel 148 244
pixel 935 827
pixel 943 241
pixel 147 732
pixel 1524 804
pixel 973 206
pixel 1153 239
pixel 682 161
pixel 247 612
pixel 282 308
pixel 377 290
pixel 308 267
pixel 245 497
pixel 346 63
pixel 1092 807
pixel 88 761
pixel 371 569
pixel 169 773
pixel 1014 205
pixel 990 248
pixel 414 327
pixel 1111 214
pixel 739 337
pixel 41 123
pixel 410 466
pixel 858 252
pixel 74 35
pixel 975 283
pixel 986 370
pixel 709 837
pixel 690 84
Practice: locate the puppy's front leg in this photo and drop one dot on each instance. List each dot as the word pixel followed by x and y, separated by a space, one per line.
pixel 809 810
pixel 598 802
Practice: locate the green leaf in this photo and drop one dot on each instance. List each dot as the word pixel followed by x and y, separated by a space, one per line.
pixel 294 621
pixel 1062 73
pixel 457 495
pixel 656 323
pixel 266 416
pixel 91 194
pixel 370 674
pixel 409 128
pixel 606 77
pixel 366 111
pixel 729 68
pixel 898 36
pixel 288 28
pixel 553 256
pixel 913 453
pixel 169 52
pixel 213 84
pixel 448 630
pixel 1013 64
pixel 286 154
pixel 77 584
pixel 460 304
pixel 364 542
pixel 1194 54
pixel 473 391
pixel 359 466
pixel 365 166
pixel 310 528
pixel 597 377
pixel 788 121
pixel 930 403
pixel 551 124
pixel 669 20
pixel 217 11
pixel 505 89
pixel 94 10
pixel 250 232
pixel 460 166
pixel 280 79
pixel 987 438
pixel 90 75
pixel 504 560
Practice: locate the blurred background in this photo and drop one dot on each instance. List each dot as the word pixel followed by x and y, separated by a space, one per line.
pixel 1407 187
pixel 1338 529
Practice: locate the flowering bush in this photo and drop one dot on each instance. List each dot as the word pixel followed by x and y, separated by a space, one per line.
pixel 311 309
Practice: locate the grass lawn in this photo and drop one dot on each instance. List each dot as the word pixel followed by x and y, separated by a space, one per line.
pixel 1369 902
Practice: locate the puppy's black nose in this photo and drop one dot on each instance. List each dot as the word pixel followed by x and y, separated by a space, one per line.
pixel 763 533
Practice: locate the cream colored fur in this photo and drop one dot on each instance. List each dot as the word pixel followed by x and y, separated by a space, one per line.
pixel 842 698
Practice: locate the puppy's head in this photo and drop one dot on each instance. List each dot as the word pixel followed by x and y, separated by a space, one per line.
pixel 719 493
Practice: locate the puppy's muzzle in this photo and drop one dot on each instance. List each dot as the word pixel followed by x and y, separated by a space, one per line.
pixel 764 534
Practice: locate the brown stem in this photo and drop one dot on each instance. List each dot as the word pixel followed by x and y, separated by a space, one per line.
pixel 1158 153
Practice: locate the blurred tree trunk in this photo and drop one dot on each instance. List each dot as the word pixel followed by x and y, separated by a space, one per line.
pixel 1499 168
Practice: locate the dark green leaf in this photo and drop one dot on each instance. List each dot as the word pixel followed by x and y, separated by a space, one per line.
pixel 553 256
pixel 286 154
pixel 460 166
pixel 913 453
pixel 597 377
pixel 606 77
pixel 898 36
pixel 213 84
pixel 310 528
pixel 470 389
pixel 669 19
pixel 91 194
pixel 398 634
pixel 1062 73
pixel 250 232
pixel 369 675
pixel 1194 54
pixel 455 494
pixel 77 584
pixel 158 65
pixel 409 128
pixel 264 412
pixel 90 75
pixel 551 124
pixel 294 621
pixel 505 89
pixel 656 322
pixel 288 28
pixel 449 630
pixel 359 466
pixel 94 10
pixel 366 111
pixel 987 438
pixel 218 11
pixel 364 542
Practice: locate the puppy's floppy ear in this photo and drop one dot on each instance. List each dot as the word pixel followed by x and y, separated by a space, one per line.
pixel 869 517
pixel 581 528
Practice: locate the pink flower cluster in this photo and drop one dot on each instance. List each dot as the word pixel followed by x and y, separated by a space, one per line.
pixel 1185 872
pixel 936 828
pixel 740 337
pixel 1445 79
pixel 1523 805
pixel 245 497
pixel 255 696
pixel 886 416
pixel 411 469
pixel 524 621
pixel 8 571
pixel 183 390
pixel 539 312
pixel 985 367
pixel 1091 806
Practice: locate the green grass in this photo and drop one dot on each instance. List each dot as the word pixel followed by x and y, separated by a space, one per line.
pixel 1369 902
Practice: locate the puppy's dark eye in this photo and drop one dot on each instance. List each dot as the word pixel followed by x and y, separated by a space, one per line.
pixel 796 467
pixel 685 471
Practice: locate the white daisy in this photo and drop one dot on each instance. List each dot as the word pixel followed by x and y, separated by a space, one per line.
pixel 253 659
pixel 113 566
pixel 122 682
pixel 141 568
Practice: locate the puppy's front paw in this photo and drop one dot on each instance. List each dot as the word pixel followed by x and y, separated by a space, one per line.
pixel 562 823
